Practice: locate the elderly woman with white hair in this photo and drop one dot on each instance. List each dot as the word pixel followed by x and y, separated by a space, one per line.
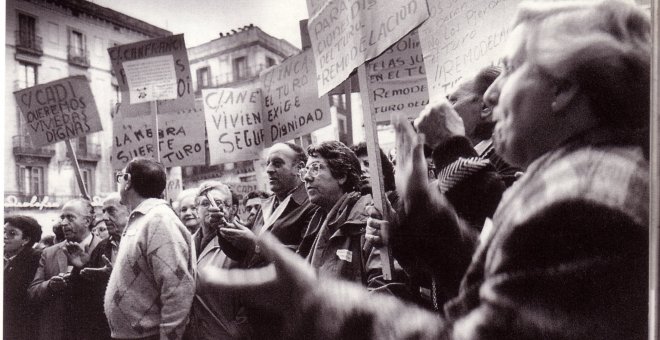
pixel 567 254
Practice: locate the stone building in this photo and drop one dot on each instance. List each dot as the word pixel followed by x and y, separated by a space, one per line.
pixel 45 41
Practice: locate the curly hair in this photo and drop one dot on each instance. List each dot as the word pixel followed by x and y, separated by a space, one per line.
pixel 341 160
pixel 29 226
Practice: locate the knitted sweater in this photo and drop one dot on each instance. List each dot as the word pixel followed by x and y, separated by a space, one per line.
pixel 152 285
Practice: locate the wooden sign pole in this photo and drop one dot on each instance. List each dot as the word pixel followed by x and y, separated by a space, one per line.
pixel 375 168
pixel 76 166
pixel 154 116
pixel 654 220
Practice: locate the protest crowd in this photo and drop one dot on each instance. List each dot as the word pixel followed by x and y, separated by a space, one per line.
pixel 532 222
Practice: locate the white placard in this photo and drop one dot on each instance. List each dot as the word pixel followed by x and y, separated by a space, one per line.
pixel 151 79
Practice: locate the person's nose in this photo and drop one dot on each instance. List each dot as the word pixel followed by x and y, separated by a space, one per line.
pixel 492 94
pixel 270 169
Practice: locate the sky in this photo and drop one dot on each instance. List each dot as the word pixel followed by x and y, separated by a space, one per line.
pixel 202 20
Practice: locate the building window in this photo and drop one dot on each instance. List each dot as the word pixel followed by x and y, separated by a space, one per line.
pixel 31 180
pixel 203 78
pixel 270 62
pixel 240 68
pixel 86 175
pixel 78 48
pixel 27 75
pixel 27 32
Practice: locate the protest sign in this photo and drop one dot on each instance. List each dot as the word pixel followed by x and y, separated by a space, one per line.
pixel 397 80
pixel 234 123
pixel 181 138
pixel 346 33
pixel 242 188
pixel 460 38
pixel 147 51
pixel 151 79
pixel 291 105
pixel 59 110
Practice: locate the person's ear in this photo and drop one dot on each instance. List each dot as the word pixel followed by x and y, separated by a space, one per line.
pixel 342 180
pixel 565 92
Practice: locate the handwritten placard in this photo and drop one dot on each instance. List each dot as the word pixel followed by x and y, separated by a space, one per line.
pixel 291 105
pixel 460 38
pixel 181 138
pixel 234 123
pixel 346 33
pixel 151 79
pixel 173 46
pixel 59 110
pixel 397 80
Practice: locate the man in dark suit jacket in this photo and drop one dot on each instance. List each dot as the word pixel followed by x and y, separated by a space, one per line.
pixel 97 271
pixel 57 287
pixel 285 214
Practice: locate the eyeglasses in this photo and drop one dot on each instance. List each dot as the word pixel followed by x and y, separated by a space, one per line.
pixel 121 176
pixel 206 203
pixel 313 170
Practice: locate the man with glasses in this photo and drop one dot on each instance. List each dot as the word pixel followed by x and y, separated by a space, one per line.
pixel 215 314
pixel 151 286
pixel 334 239
pixel 57 286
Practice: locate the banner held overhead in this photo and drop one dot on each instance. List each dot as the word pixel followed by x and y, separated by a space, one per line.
pixel 346 33
pixel 144 56
pixel 457 42
pixel 397 80
pixel 59 110
pixel 291 105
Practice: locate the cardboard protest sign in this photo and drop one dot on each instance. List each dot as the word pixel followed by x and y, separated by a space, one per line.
pixel 292 107
pixel 151 79
pixel 181 138
pixel 59 110
pixel 242 188
pixel 397 80
pixel 148 65
pixel 234 123
pixel 346 33
pixel 460 38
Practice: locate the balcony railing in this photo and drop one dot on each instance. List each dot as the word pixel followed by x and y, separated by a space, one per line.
pixel 28 42
pixel 22 146
pixel 91 152
pixel 78 56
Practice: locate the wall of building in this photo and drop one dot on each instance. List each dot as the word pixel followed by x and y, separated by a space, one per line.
pixel 53 25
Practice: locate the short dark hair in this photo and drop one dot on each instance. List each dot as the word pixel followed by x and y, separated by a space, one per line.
pixel 29 226
pixel 341 160
pixel 148 177
pixel 301 156
pixel 254 194
pixel 360 150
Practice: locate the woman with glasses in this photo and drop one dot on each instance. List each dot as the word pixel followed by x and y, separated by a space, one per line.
pixel 21 262
pixel 335 236
pixel 215 314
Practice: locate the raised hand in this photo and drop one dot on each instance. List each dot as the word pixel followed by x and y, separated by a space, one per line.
pixel 75 254
pixel 379 229
pixel 411 172
pixel 439 121
pixel 94 274
pixel 239 236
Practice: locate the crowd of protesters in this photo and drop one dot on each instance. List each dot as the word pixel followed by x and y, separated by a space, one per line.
pixel 531 222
